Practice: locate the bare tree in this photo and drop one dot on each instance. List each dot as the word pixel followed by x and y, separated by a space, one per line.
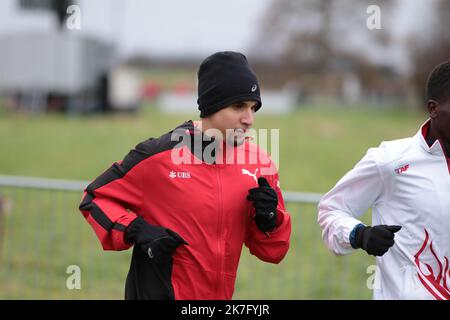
pixel 312 31
pixel 325 48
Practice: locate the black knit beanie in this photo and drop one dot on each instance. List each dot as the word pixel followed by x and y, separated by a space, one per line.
pixel 225 78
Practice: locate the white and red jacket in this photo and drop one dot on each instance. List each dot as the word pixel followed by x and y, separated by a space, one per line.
pixel 407 183
pixel 204 203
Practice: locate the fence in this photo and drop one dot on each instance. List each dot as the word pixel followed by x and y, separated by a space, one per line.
pixel 43 235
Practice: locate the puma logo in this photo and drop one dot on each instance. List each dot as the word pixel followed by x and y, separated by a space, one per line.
pixel 248 173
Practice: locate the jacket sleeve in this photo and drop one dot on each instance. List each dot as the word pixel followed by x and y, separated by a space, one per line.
pixel 112 200
pixel 356 192
pixel 273 246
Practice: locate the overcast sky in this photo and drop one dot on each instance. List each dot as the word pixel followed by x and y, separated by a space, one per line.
pixel 160 27
pixel 181 27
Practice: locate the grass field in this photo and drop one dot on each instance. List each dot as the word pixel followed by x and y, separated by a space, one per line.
pixel 45 233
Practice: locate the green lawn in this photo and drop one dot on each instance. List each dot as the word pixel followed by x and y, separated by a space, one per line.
pixel 45 233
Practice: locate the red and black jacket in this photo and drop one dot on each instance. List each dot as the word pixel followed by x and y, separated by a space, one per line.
pixel 205 203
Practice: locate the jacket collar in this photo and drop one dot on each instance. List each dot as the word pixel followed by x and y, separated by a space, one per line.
pixel 435 148
pixel 197 138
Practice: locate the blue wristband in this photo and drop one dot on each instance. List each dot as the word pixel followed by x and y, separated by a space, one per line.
pixel 352 237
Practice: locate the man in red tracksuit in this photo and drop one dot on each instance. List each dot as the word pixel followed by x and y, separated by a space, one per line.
pixel 191 198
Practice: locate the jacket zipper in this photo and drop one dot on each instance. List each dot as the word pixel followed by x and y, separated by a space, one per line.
pixel 219 234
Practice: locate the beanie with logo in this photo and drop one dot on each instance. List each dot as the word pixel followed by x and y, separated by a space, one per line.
pixel 225 78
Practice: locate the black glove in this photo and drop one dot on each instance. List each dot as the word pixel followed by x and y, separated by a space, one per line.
pixel 376 240
pixel 265 201
pixel 156 242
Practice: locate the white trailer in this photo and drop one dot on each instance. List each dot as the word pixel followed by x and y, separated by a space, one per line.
pixel 36 67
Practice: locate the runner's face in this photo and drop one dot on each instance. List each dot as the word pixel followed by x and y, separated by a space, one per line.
pixel 234 121
pixel 440 118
